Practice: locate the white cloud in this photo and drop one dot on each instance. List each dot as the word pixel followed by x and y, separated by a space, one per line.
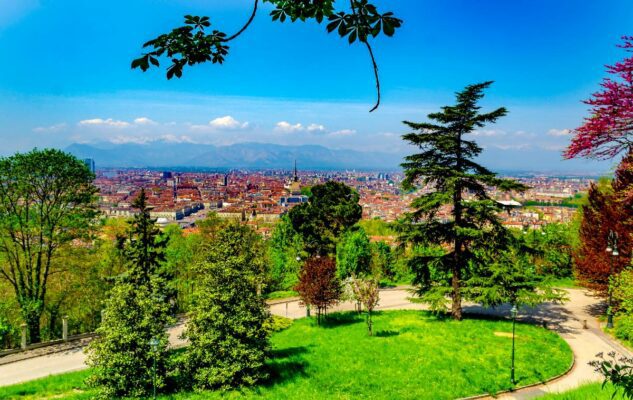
pixel 222 123
pixel 228 122
pixel 560 132
pixel 315 128
pixel 286 127
pixel 125 139
pixel 176 139
pixel 343 132
pixel 489 133
pixel 524 134
pixel 50 129
pixel 104 122
pixel 144 121
pixel 553 147
pixel 524 146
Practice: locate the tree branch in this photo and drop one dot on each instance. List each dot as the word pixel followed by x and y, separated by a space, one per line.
pixel 373 60
pixel 250 20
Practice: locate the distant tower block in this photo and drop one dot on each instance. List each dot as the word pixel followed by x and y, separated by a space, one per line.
pixel 167 175
pixel 90 163
pixel 226 180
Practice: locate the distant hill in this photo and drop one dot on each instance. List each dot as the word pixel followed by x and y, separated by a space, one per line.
pixel 161 154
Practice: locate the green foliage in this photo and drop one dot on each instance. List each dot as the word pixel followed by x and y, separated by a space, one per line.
pixel 447 165
pixel 137 313
pixel 353 254
pixel 285 249
pixel 181 254
pixel 333 208
pixel 46 200
pixel 510 277
pixel 195 43
pixel 553 246
pixel 623 296
pixel 383 260
pixel 227 326
pixel 277 323
pixel 366 292
pixel 377 227
pixel 616 370
pixel 410 357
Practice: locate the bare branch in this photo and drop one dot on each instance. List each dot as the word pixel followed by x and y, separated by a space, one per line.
pixel 250 20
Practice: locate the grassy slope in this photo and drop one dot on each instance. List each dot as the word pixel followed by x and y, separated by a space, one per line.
pixel 413 356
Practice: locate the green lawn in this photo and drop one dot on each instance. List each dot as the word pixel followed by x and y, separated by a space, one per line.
pixel 281 294
pixel 592 391
pixel 413 356
pixel 565 283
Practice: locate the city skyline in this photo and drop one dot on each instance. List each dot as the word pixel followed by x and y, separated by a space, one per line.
pixel 317 94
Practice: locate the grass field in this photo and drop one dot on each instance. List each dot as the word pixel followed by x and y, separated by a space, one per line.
pixel 412 356
pixel 591 391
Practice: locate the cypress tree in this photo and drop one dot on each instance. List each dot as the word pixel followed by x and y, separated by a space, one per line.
pixel 447 166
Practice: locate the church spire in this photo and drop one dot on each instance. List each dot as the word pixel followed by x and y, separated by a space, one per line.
pixel 296 174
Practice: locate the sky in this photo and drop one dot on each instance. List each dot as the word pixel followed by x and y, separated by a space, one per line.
pixel 65 76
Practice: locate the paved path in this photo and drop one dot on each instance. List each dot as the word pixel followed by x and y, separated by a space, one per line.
pixel 566 319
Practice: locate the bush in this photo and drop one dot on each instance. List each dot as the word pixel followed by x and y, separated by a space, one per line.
pixel 277 324
pixel 122 358
pixel 226 330
pixel 623 297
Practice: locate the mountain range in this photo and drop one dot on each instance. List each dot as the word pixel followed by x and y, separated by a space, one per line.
pixel 163 154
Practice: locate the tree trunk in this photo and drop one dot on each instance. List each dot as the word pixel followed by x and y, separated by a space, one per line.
pixel 457 294
pixel 32 321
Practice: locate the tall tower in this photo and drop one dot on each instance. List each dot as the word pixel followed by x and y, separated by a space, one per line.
pixel 295 186
pixel 296 175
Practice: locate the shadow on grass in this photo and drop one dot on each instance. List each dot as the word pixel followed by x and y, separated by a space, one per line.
pixel 386 333
pixel 286 365
pixel 340 319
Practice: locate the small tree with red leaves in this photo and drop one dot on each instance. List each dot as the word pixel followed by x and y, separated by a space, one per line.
pixel 318 285
pixel 608 131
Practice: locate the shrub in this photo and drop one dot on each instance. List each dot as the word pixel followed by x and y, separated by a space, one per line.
pixel 226 330
pixel 318 284
pixel 277 324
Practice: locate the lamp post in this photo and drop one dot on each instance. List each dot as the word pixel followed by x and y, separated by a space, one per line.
pixel 612 251
pixel 154 344
pixel 513 312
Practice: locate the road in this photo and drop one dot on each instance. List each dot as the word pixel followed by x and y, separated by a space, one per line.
pixel 567 320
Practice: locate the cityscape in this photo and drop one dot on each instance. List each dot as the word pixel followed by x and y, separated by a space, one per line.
pixel 316 200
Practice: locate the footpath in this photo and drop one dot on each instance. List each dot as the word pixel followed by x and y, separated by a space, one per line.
pixel 569 320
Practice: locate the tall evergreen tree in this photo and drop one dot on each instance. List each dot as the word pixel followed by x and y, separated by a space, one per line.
pixel 131 347
pixel 446 165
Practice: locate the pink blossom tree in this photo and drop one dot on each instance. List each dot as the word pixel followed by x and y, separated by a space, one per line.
pixel 608 132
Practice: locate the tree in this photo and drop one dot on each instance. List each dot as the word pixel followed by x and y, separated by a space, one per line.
pixel 353 254
pixel 608 131
pixel 319 285
pixel 285 248
pixel 122 357
pixel 383 260
pixel 447 167
pixel 333 208
pixel 194 43
pixel 553 247
pixel 226 327
pixel 366 291
pixel 603 214
pixel 510 277
pixel 46 201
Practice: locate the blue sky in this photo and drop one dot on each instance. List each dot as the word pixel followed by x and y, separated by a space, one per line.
pixel 65 75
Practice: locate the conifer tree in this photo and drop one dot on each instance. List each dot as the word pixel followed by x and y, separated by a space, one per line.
pixel 129 356
pixel 446 166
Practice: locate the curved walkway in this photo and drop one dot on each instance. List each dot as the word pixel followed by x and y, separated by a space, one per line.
pixel 567 320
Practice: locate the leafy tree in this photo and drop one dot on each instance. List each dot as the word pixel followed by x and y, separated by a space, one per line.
pixel 553 245
pixel 602 214
pixel 46 200
pixel 319 285
pixel 510 277
pixel 195 43
pixel 333 208
pixel 285 248
pixel 447 167
pixel 608 131
pixel 383 260
pixel 623 297
pixel 181 254
pixel 353 254
pixel 227 326
pixel 137 313
pixel 366 292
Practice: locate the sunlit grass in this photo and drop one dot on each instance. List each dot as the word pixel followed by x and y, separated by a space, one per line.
pixel 412 356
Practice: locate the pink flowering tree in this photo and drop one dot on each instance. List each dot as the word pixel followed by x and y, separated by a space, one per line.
pixel 608 132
